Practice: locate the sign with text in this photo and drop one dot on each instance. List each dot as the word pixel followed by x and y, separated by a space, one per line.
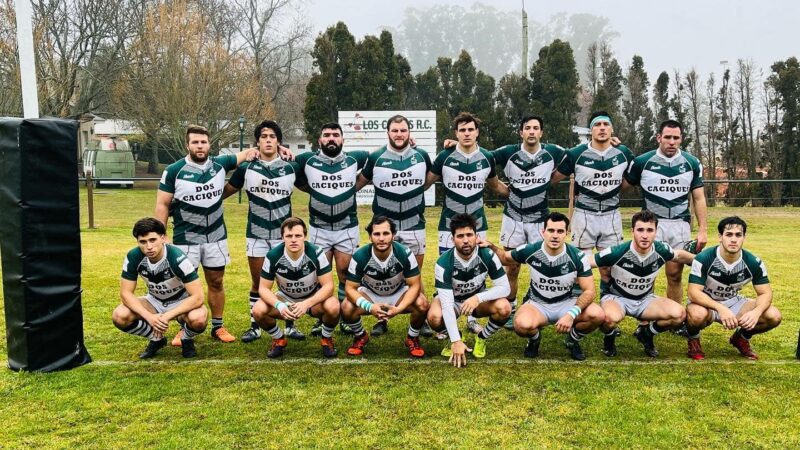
pixel 366 130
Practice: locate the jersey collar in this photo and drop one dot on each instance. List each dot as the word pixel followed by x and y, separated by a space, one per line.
pixel 382 262
pixel 730 266
pixel 203 166
pixel 468 260
pixel 664 157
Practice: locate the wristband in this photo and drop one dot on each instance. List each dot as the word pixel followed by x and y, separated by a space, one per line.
pixel 575 311
pixel 280 306
pixel 365 304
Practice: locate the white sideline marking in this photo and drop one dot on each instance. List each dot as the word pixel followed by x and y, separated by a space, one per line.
pixel 442 361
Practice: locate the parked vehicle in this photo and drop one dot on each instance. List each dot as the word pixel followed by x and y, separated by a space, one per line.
pixel 110 158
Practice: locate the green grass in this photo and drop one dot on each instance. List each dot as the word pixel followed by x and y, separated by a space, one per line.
pixel 231 396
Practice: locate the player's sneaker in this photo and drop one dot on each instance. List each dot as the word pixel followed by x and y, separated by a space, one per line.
pixel 447 351
pixel 473 326
pixel 277 348
pixel 294 333
pixel 221 334
pixel 344 328
pixel 381 327
pixel 316 330
pixel 574 347
pixel 152 348
pixel 187 348
pixel 359 342
pixel 743 345
pixel 414 347
pixel 251 335
pixel 328 349
pixel 176 341
pixel 645 337
pixel 426 330
pixel 479 349
pixel 610 342
pixel 695 351
pixel 532 348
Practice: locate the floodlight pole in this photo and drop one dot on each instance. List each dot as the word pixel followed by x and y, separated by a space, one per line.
pixel 27 63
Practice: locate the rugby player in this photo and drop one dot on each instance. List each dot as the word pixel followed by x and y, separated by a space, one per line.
pixel 305 286
pixel 555 269
pixel 398 172
pixel 268 181
pixel 330 175
pixel 191 192
pixel 668 176
pixel 174 291
pixel 461 274
pixel 718 274
pixel 628 291
pixel 383 280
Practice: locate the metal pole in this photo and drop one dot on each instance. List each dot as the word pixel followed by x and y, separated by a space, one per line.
pixel 27 62
pixel 241 145
pixel 90 197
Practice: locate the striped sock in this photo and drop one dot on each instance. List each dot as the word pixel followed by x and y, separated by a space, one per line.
pixel 340 291
pixel 535 336
pixel 413 332
pixel 189 333
pixel 327 331
pixel 576 335
pixel 491 328
pixel 140 328
pixel 357 327
pixel 655 328
pixel 253 299
pixel 216 322
pixel 275 332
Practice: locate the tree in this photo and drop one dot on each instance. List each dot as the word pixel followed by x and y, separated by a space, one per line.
pixel 11 99
pixel 638 128
pixel 661 97
pixel 554 91
pixel 513 103
pixel 785 79
pixel 694 103
pixel 609 89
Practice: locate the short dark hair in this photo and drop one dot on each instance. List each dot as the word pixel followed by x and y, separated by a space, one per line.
pixel 645 216
pixel 196 129
pixel 731 221
pixel 556 216
pixel 272 125
pixel 145 226
pixel 331 126
pixel 527 119
pixel 397 118
pixel 465 117
pixel 670 123
pixel 292 222
pixel 463 220
pixel 597 114
pixel 377 220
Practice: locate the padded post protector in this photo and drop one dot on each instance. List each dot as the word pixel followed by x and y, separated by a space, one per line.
pixel 40 244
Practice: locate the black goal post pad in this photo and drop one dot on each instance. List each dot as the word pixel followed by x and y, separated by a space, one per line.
pixel 40 244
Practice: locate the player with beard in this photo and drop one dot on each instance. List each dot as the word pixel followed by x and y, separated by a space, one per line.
pixel 330 176
pixel 191 192
pixel 398 171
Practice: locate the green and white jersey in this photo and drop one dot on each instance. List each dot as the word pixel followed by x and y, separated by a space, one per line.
pixel 633 275
pixel 165 278
pixel 467 278
pixel 297 279
pixel 399 179
pixel 464 180
pixel 528 177
pixel 382 277
pixel 552 277
pixel 332 185
pixel 598 175
pixel 269 186
pixel 196 207
pixel 666 182
pixel 722 281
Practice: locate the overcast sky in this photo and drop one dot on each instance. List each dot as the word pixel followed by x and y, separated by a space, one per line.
pixel 674 34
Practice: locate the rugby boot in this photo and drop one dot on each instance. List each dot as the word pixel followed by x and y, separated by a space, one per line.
pixel 176 341
pixel 187 348
pixel 425 330
pixel 251 335
pixel 645 337
pixel 277 348
pixel 574 347
pixel 743 345
pixel 473 326
pixel 447 351
pixel 414 347
pixel 479 348
pixel 695 351
pixel 222 335
pixel 532 348
pixel 359 342
pixel 328 349
pixel 610 342
pixel 381 327
pixel 343 327
pixel 316 330
pixel 152 348
pixel 294 333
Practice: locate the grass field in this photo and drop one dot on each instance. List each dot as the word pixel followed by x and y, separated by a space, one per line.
pixel 232 396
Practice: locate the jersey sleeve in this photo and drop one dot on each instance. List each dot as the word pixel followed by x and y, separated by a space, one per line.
pixel 129 266
pixel 300 175
pixel 370 165
pixel 664 250
pixel 268 268
pixel 605 258
pixel 634 174
pixel 438 163
pixel 699 270
pixel 628 154
pixel 322 263
pixel 167 183
pixel 522 253
pixel 582 263
pixel 410 267
pixel 427 157
pixel 495 267
pixel 237 178
pixel 228 162
pixel 502 154
pixel 361 157
pixel 443 279
pixel 184 269
pixel 567 166
pixel 697 169
pixel 759 270
pixel 492 165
